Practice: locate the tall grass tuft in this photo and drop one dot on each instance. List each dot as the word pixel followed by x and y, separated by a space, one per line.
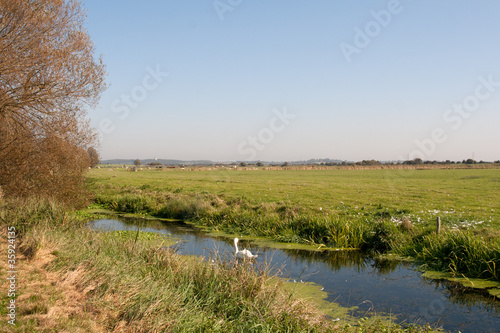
pixel 459 252
pixel 24 214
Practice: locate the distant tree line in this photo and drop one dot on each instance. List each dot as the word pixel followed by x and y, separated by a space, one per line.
pixel 416 161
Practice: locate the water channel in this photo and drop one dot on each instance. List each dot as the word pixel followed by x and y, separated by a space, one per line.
pixel 349 278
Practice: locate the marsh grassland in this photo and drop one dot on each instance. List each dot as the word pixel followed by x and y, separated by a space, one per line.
pixel 374 210
pixel 75 279
pixel 79 280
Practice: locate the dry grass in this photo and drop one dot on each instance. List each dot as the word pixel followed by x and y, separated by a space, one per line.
pixel 48 301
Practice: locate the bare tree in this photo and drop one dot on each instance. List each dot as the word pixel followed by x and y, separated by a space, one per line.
pixel 137 162
pixel 94 156
pixel 48 77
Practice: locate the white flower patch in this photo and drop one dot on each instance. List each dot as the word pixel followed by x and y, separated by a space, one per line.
pixel 395 220
pixel 466 224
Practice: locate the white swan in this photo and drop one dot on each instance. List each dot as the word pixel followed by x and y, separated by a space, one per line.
pixel 243 253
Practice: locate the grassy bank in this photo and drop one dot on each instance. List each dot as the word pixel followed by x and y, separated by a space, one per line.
pixel 373 210
pixel 78 280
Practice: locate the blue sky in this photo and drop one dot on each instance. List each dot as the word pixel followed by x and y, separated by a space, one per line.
pixel 292 80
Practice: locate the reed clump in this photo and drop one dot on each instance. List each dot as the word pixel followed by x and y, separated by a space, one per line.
pixel 459 252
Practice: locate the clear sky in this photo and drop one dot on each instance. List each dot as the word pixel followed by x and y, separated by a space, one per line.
pixel 293 80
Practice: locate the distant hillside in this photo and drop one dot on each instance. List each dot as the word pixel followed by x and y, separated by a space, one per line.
pixel 317 161
pixel 325 161
pixel 162 161
pixel 207 162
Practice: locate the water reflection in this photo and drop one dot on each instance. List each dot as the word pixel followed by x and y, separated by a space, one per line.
pixel 458 294
pixel 337 260
pixel 334 260
pixel 349 278
pixel 386 266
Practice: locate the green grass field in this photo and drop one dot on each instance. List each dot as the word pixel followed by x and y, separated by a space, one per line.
pixel 376 210
pixel 458 196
